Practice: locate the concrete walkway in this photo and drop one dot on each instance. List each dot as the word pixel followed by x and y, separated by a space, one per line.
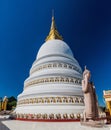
pixel 25 125
pixel 2 126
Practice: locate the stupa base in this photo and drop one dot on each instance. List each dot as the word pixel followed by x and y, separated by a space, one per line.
pixel 49 120
pixel 93 123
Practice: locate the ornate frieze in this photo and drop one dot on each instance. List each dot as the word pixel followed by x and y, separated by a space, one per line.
pixel 54 80
pixel 52 100
pixel 55 65
pixel 51 116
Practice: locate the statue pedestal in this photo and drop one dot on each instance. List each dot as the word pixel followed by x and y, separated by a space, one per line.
pixel 93 123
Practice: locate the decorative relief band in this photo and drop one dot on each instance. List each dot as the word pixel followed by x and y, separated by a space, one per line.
pixel 54 80
pixel 55 65
pixel 45 100
pixel 50 116
pixel 55 116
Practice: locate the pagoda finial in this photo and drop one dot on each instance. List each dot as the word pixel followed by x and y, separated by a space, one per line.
pixel 53 34
pixel 52 12
pixel 85 67
pixel 53 26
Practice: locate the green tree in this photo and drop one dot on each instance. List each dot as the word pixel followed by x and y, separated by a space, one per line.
pixel 12 101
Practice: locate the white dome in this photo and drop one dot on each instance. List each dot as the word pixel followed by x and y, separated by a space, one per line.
pixel 55 47
pixel 54 82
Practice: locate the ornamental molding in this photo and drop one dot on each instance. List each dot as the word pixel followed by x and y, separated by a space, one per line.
pixel 54 65
pixel 50 116
pixel 52 100
pixel 53 80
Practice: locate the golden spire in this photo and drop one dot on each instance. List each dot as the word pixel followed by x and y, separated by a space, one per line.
pixel 53 34
pixel 85 67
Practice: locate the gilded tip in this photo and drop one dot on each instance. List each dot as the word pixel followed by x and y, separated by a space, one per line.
pixel 53 13
pixel 53 34
pixel 85 67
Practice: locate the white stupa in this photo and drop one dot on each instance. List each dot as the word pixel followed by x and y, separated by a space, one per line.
pixel 53 89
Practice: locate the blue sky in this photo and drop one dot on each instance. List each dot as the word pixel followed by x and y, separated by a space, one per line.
pixel 24 24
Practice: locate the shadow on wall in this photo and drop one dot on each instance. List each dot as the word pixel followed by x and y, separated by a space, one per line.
pixel 3 127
